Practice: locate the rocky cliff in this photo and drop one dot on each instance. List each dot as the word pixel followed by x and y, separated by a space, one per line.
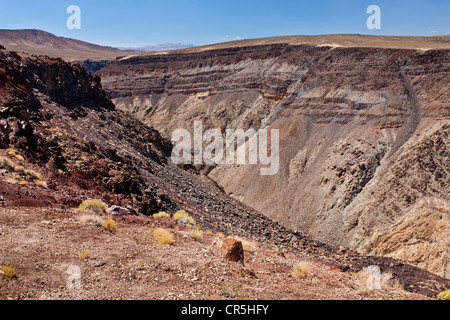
pixel 364 135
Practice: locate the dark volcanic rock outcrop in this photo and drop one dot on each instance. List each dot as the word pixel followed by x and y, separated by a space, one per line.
pixel 364 139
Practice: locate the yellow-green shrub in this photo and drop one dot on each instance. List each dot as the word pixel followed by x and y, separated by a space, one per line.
pixel 83 254
pixel 161 215
pixel 249 246
pixel 445 295
pixel 41 183
pixel 7 163
pixel 184 218
pixel 301 270
pixel 33 174
pixel 95 205
pixel 196 235
pixel 109 225
pixel 11 152
pixel 162 236
pixel 8 271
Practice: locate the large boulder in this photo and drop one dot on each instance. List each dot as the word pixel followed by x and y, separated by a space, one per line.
pixel 232 250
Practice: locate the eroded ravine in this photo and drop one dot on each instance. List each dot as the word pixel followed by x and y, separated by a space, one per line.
pixel 354 123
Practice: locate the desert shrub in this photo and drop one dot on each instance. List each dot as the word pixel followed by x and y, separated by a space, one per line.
pixel 162 236
pixel 19 169
pixel 19 157
pixel 183 218
pixel 249 246
pixel 33 174
pixel 301 270
pixel 161 215
pixel 96 205
pixel 7 163
pixel 445 295
pixel 109 225
pixel 8 271
pixel 23 183
pixel 11 152
pixel 41 183
pixel 83 254
pixel 196 235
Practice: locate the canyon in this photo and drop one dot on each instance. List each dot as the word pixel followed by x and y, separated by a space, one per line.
pixel 363 176
pixel 364 133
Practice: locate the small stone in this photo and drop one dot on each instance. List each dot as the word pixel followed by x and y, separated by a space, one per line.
pixel 118 211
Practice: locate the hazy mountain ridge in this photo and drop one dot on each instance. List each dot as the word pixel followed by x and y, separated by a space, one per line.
pixel 159 47
pixel 44 43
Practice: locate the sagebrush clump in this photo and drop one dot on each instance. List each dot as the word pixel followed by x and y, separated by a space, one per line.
pixel 444 295
pixel 33 174
pixel 83 254
pixel 7 164
pixel 197 235
pixel 8 271
pixel 162 236
pixel 96 205
pixel 161 215
pixel 109 225
pixel 301 270
pixel 184 218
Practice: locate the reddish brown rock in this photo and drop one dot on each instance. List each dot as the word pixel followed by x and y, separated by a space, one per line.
pixel 232 250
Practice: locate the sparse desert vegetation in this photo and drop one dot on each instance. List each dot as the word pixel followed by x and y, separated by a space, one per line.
pixel 445 295
pixel 7 163
pixel 109 225
pixel 92 219
pixel 184 218
pixel 249 246
pixel 163 236
pixel 83 253
pixel 161 215
pixel 33 174
pixel 143 269
pixel 301 270
pixel 196 235
pixel 8 271
pixel 96 205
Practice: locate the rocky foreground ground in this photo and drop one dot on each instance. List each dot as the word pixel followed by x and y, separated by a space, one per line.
pixel 129 264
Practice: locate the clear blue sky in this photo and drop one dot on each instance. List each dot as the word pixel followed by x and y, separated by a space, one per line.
pixel 150 22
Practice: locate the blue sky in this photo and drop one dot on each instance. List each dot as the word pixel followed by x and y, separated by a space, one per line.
pixel 149 22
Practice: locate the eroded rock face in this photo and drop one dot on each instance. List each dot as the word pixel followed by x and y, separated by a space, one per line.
pixel 421 236
pixel 350 121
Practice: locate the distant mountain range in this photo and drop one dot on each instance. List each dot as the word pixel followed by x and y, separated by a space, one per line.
pixel 160 47
pixel 44 43
pixel 40 42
